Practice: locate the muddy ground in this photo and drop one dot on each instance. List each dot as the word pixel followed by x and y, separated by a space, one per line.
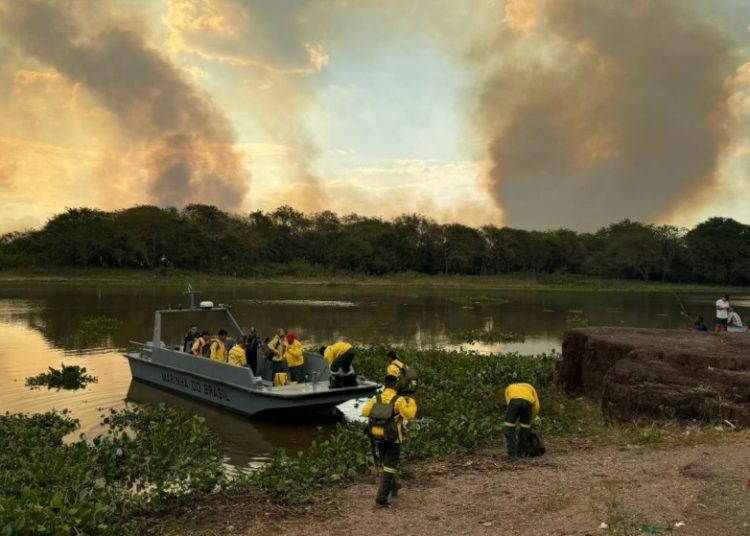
pixel 686 490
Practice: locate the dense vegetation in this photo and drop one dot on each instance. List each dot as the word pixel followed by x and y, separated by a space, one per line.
pixel 203 238
pixel 460 401
pixel 149 458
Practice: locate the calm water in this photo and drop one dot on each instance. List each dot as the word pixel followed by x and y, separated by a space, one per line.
pixel 39 323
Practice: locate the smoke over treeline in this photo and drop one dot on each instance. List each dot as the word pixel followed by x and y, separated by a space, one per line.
pixel 288 242
pixel 595 110
pixel 184 143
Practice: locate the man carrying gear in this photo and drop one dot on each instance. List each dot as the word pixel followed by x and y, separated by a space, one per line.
pixel 523 404
pixel 407 376
pixel 386 412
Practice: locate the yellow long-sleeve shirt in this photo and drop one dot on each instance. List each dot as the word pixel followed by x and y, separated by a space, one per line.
pixel 394 368
pixel 294 354
pixel 237 356
pixel 524 391
pixel 278 346
pixel 335 350
pixel 198 346
pixel 219 351
pixel 405 407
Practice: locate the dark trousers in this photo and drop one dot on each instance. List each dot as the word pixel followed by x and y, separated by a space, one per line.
pixel 344 361
pixel 519 411
pixel 277 366
pixel 389 456
pixel 251 354
pixel 297 373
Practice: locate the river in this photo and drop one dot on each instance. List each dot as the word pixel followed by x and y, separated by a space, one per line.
pixel 39 324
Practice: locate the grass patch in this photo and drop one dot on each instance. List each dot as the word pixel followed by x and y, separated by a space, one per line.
pixel 471 336
pixel 178 277
pixel 68 377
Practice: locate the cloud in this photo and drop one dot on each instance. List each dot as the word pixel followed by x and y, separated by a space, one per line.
pixel 189 143
pixel 596 111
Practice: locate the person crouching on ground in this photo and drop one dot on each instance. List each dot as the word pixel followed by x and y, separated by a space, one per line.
pixel 386 412
pixel 295 358
pixel 523 405
pixel 339 356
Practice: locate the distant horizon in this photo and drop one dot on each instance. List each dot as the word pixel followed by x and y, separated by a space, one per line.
pixel 535 114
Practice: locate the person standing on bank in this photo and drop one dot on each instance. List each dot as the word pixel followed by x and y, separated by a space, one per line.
pixel 386 412
pixel 722 313
pixel 523 405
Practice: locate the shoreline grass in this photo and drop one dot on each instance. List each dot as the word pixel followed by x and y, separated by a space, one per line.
pixel 529 282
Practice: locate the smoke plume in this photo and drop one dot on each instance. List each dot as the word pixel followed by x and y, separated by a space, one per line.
pixel 186 144
pixel 595 111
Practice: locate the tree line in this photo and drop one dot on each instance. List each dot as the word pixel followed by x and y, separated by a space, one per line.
pixel 286 241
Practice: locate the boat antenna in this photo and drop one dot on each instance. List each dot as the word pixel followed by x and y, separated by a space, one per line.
pixel 190 292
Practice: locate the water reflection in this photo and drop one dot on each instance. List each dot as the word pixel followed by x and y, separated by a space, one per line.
pixel 37 322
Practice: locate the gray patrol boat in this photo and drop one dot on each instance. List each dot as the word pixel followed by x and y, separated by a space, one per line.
pixel 234 387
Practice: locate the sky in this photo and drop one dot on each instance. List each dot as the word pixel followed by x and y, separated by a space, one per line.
pixel 535 114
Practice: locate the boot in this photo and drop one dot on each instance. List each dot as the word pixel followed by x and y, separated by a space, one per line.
pixel 385 487
pixel 395 488
pixel 511 441
pixel 524 439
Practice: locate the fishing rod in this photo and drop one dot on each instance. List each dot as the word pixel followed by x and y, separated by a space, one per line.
pixel 683 311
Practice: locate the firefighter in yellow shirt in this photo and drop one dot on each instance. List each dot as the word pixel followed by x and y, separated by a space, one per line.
pixel 219 347
pixel 386 413
pixel 202 345
pixel 278 347
pixel 295 358
pixel 237 355
pixel 339 356
pixel 523 404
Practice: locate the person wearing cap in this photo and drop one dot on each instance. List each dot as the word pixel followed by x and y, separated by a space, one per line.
pixel 339 356
pixel 278 347
pixel 237 353
pixel 295 358
pixel 523 404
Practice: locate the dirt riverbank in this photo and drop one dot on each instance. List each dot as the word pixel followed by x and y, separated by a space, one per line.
pixel 686 490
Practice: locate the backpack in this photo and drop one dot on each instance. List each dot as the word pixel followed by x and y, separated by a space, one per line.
pixel 535 446
pixel 407 381
pixel 382 425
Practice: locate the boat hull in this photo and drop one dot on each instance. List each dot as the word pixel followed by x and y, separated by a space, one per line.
pixel 231 388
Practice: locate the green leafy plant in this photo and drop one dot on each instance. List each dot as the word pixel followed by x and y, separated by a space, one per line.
pixel 68 377
pixel 149 458
pixel 482 335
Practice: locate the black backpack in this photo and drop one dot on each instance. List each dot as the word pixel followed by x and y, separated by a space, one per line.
pixel 407 381
pixel 382 425
pixel 535 447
